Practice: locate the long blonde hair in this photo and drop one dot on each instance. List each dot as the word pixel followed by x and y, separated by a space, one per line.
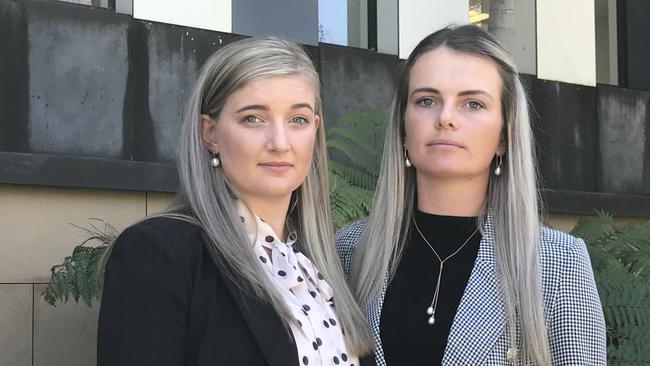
pixel 512 198
pixel 208 199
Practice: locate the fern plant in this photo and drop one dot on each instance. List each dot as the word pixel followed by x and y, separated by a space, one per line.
pixel 355 150
pixel 620 257
pixel 81 276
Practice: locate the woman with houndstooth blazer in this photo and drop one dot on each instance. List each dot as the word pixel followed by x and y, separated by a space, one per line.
pixel 453 266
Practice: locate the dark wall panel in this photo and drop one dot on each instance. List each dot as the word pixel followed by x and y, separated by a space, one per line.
pixel 634 28
pixel 566 131
pixel 355 80
pixel 78 63
pixel 624 128
pixel 14 106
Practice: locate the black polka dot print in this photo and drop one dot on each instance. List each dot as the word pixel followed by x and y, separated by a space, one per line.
pixel 317 344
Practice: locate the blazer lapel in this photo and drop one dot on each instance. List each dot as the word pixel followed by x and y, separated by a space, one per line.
pixel 372 309
pixel 274 339
pixel 480 318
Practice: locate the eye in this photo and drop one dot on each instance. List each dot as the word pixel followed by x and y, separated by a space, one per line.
pixel 474 104
pixel 300 120
pixel 251 119
pixel 426 102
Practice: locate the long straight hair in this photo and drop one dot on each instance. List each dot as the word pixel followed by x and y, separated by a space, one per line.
pixel 512 198
pixel 208 199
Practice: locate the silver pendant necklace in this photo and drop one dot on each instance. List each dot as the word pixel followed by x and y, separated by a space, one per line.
pixel 431 310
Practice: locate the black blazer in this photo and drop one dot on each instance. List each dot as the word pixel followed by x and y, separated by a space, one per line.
pixel 166 302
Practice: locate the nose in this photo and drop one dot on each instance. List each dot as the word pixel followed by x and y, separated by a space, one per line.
pixel 446 117
pixel 279 137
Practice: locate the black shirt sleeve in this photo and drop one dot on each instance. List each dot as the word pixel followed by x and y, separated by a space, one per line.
pixel 143 316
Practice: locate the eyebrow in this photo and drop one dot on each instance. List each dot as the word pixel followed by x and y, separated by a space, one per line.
pixel 253 107
pixel 266 108
pixel 302 105
pixel 463 93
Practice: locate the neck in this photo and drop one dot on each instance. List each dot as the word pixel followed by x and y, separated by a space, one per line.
pixel 272 211
pixel 451 196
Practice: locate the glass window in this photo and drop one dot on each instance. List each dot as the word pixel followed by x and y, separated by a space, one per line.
pixel 606 42
pixel 512 22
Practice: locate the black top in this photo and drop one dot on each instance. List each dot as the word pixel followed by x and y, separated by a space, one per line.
pixel 167 301
pixel 406 336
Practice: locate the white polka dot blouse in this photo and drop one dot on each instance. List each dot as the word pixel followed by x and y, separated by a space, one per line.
pixel 318 335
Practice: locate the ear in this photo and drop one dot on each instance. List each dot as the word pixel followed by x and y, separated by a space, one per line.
pixel 209 133
pixel 317 121
pixel 501 148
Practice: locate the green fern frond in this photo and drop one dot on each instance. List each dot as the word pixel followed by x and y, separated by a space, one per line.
pixel 627 314
pixel 80 276
pixel 355 148
pixel 620 257
pixel 595 227
pixel 348 201
pixel 355 177
pixel 359 137
pixel 357 154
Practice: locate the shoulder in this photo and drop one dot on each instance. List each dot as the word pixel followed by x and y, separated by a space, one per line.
pixel 346 240
pixel 556 246
pixel 574 314
pixel 565 267
pixel 159 236
pixel 348 237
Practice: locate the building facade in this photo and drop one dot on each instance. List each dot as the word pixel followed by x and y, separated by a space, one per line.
pixel 92 93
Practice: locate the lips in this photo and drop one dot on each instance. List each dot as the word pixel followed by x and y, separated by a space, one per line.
pixel 277 164
pixel 277 167
pixel 445 143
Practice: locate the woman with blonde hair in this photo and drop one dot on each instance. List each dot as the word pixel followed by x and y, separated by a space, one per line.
pixel 453 266
pixel 242 270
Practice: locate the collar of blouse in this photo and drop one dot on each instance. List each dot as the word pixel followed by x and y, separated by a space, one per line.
pixel 286 264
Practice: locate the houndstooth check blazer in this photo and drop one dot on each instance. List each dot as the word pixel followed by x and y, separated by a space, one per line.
pixel 576 327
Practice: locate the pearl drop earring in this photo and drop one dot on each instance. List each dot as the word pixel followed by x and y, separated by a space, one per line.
pixel 215 162
pixel 497 170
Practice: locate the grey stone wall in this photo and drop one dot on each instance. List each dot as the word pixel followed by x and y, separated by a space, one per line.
pixel 91 98
pixel 624 129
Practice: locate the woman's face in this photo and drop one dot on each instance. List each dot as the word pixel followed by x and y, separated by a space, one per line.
pixel 453 118
pixel 265 136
